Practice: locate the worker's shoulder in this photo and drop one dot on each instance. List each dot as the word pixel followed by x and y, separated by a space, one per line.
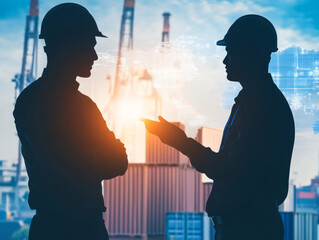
pixel 278 106
pixel 87 100
pixel 29 93
pixel 270 102
pixel 278 100
pixel 271 97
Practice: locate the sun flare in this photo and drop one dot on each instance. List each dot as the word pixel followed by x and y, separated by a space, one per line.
pixel 130 109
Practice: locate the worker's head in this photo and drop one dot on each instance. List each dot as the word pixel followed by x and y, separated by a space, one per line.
pixel 249 43
pixel 69 31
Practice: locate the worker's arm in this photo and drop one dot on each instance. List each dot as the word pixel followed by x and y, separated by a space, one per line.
pixel 92 150
pixel 68 143
pixel 109 153
pixel 202 158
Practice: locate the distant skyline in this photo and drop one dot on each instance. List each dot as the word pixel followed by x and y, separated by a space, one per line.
pixel 195 27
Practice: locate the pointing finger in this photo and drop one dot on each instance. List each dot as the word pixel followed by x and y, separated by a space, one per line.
pixel 162 119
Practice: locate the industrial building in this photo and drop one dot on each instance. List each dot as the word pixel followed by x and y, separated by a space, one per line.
pixel 307 197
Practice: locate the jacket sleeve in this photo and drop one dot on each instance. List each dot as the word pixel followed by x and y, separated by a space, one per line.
pixel 246 155
pixel 109 153
pixel 203 159
pixel 94 151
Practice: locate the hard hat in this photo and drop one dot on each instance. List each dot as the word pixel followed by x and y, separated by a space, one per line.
pixel 251 30
pixel 68 19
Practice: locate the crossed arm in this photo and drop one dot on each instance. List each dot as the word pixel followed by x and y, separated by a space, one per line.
pixel 110 153
pixel 58 144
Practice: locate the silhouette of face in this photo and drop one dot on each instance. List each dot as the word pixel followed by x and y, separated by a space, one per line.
pixel 74 55
pixel 237 63
pixel 83 56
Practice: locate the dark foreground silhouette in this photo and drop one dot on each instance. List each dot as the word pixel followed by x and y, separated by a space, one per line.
pixel 251 169
pixel 67 147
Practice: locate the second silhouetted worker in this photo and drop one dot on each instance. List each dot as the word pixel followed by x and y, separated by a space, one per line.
pixel 251 168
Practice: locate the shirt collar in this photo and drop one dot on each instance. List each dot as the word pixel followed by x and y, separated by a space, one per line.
pixel 59 82
pixel 255 90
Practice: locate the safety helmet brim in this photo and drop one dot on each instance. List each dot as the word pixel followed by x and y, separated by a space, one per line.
pixel 221 43
pixel 101 35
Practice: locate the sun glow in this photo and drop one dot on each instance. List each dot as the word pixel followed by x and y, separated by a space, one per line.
pixel 130 109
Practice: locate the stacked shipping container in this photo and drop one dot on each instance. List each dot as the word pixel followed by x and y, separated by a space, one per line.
pixel 191 226
pixel 138 201
pixel 170 188
pixel 210 137
pixel 126 201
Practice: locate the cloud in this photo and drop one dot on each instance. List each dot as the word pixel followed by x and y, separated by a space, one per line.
pixel 288 37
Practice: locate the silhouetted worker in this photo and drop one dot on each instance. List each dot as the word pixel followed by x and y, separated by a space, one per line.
pixel 67 146
pixel 251 168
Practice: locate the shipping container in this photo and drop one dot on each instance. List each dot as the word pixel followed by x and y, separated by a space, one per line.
pixel 136 238
pixel 198 226
pixel 300 226
pixel 126 200
pixel 161 154
pixel 210 137
pixel 288 221
pixel 188 226
pixel 170 189
pixel 194 226
pixel 138 201
pixel 305 226
pixel 176 226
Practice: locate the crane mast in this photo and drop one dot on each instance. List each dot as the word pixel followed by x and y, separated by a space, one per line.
pixel 29 65
pixel 133 94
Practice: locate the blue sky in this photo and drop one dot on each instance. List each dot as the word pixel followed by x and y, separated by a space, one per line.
pixel 195 27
